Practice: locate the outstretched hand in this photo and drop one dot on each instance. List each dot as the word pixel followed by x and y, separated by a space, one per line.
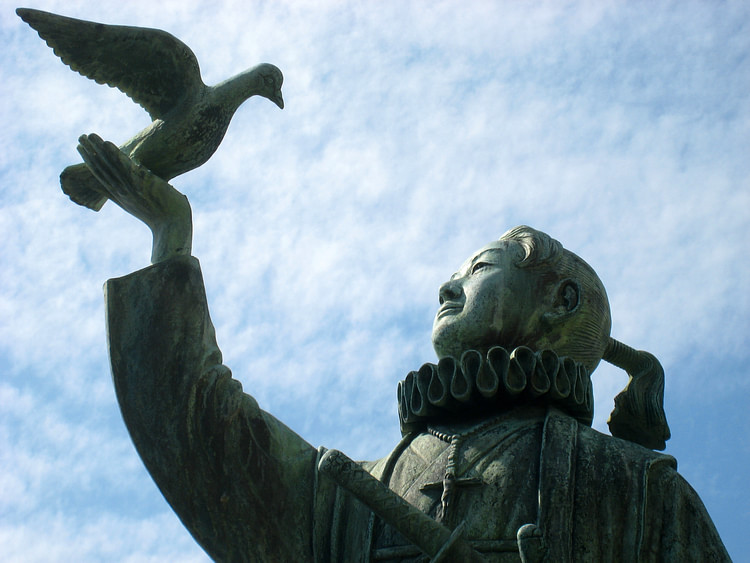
pixel 142 194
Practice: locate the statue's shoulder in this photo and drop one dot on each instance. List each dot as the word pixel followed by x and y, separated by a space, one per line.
pixel 606 451
pixel 382 468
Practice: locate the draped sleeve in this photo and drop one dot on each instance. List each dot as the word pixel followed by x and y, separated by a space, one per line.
pixel 631 504
pixel 678 527
pixel 241 481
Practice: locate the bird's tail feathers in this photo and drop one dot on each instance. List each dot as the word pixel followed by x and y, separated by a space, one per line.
pixel 82 187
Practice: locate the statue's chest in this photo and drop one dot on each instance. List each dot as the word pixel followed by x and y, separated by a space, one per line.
pixel 486 477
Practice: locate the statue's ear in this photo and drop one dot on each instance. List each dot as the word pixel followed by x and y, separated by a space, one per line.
pixel 567 298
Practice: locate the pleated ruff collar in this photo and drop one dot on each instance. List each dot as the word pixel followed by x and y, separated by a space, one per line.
pixel 477 385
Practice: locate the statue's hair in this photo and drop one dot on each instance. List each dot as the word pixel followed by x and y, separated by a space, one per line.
pixel 539 248
pixel 586 333
pixel 639 408
pixel 638 415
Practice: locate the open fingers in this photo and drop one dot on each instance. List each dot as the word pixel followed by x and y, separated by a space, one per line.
pixel 91 149
pixel 112 168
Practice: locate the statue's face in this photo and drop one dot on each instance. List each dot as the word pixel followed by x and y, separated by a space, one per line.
pixel 489 301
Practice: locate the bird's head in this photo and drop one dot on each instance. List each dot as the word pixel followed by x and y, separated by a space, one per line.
pixel 270 80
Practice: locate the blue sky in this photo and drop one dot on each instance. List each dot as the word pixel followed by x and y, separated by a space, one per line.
pixel 413 134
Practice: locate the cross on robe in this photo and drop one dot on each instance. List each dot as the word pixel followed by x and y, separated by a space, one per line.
pixel 449 485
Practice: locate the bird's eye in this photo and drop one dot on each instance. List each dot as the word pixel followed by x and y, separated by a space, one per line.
pixel 479 266
pixel 268 80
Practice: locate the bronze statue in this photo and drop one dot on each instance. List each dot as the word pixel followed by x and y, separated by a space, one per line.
pixel 497 462
pixel 161 73
pixel 497 448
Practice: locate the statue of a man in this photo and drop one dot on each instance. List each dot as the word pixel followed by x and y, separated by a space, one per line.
pixel 497 439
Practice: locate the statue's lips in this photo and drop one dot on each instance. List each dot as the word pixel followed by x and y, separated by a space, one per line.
pixel 449 309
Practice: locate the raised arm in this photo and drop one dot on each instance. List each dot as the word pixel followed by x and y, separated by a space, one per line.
pixel 241 481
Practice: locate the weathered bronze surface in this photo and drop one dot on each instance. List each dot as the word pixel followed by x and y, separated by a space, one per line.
pixel 161 73
pixel 497 462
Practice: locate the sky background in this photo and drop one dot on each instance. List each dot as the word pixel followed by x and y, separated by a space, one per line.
pixel 413 134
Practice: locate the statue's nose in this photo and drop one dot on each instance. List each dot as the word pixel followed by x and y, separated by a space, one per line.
pixel 449 290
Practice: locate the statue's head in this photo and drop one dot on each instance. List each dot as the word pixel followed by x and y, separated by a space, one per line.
pixel 524 289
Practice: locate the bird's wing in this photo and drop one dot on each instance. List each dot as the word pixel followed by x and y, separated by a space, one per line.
pixel 151 66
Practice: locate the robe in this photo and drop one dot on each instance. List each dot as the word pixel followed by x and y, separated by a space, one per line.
pixel 247 487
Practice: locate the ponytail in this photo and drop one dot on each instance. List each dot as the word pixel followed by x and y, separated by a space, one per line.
pixel 638 415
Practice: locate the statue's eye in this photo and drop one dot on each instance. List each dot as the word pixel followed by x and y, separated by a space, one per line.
pixel 479 266
pixel 268 80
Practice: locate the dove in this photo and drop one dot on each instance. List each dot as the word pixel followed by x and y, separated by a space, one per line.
pixel 161 74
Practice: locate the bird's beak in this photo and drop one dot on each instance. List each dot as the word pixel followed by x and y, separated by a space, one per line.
pixel 278 100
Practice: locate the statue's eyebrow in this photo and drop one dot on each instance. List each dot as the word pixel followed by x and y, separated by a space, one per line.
pixel 481 255
pixel 474 261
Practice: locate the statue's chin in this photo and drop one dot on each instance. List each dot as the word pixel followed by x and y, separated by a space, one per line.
pixel 445 343
pixel 450 343
pixel 452 335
